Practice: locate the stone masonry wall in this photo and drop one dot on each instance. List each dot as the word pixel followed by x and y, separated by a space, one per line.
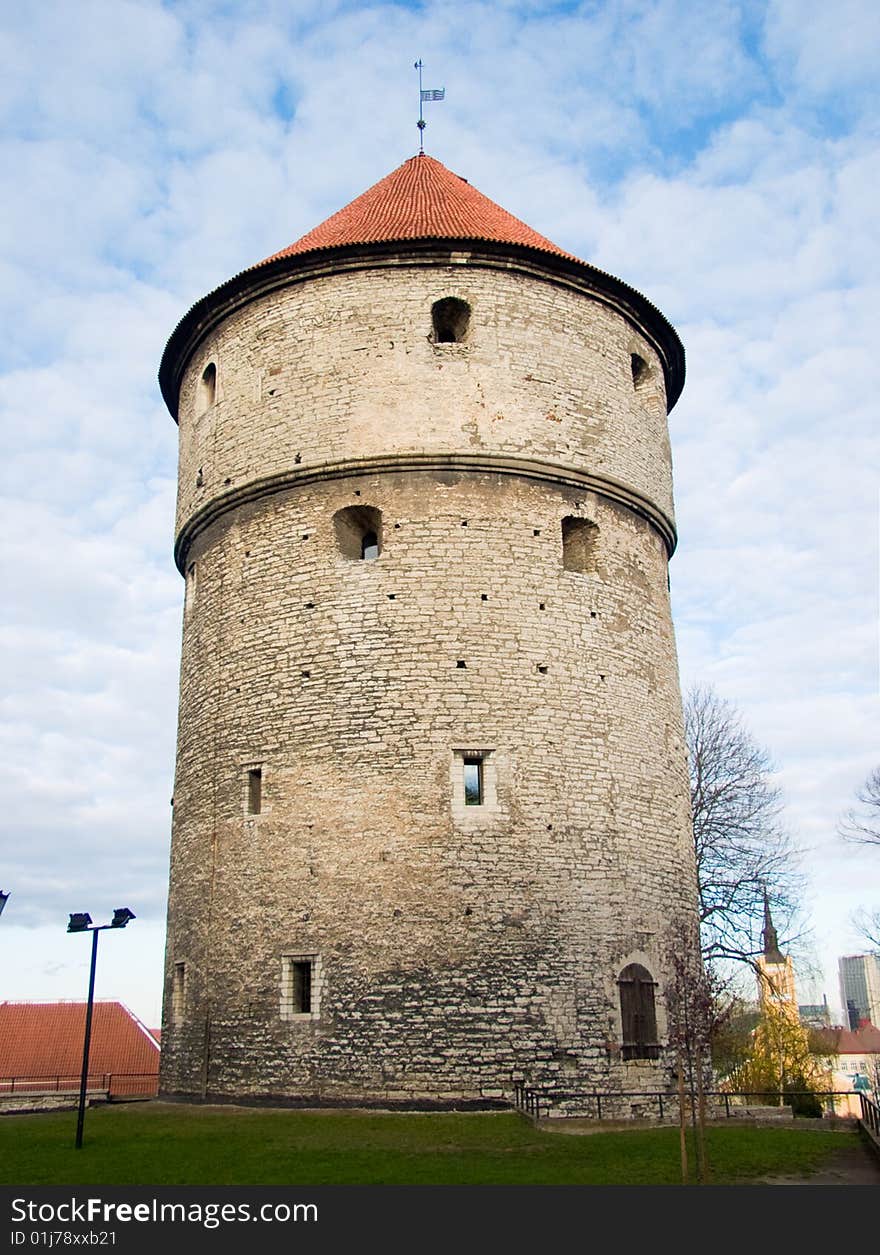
pixel 343 367
pixel 458 948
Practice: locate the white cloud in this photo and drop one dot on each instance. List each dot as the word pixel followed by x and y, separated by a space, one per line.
pixel 824 50
pixel 720 158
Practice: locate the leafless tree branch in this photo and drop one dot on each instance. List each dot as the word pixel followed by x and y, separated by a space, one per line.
pixel 868 923
pixel 740 842
pixel 862 823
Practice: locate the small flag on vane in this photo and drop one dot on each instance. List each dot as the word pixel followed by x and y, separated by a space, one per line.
pixel 426 93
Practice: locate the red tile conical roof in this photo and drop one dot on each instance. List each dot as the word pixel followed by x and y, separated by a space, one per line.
pixel 420 200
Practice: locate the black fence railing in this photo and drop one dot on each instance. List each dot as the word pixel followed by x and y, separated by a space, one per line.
pixel 663 1104
pixel 870 1117
pixel 116 1084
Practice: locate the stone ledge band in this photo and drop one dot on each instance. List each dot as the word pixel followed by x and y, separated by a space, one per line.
pixel 392 464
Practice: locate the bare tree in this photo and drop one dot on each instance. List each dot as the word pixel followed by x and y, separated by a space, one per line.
pixel 868 923
pixel 693 1009
pixel 741 846
pixel 862 823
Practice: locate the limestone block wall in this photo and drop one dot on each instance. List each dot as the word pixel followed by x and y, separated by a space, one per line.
pixel 454 949
pixel 344 367
pixel 461 948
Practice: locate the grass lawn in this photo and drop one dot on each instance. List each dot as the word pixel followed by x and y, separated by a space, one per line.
pixel 167 1144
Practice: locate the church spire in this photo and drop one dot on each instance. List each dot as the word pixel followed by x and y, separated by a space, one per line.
pixel 772 953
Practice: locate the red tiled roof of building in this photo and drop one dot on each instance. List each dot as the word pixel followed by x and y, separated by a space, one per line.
pixel 46 1039
pixel 846 1041
pixel 420 200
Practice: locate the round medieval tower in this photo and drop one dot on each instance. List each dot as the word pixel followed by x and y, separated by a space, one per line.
pixel 431 819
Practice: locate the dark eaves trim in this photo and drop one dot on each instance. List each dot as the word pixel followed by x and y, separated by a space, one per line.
pixel 271 276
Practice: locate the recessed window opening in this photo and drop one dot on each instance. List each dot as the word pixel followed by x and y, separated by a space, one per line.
pixel 299 985
pixel 178 993
pixel 451 318
pixel 255 790
pixel 579 537
pixel 473 782
pixel 189 594
pixel 207 389
pixel 358 531
pixel 640 371
pixel 302 987
pixel 637 1013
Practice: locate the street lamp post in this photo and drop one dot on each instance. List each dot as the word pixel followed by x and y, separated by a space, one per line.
pixel 81 922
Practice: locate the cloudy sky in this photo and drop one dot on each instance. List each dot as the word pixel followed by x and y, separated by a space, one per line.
pixel 720 157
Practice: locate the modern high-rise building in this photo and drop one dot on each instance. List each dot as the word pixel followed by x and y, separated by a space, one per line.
pixel 860 988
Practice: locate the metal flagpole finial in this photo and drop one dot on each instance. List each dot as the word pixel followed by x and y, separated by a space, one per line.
pixel 429 94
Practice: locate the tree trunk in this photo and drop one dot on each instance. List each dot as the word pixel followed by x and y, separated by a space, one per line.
pixel 682 1122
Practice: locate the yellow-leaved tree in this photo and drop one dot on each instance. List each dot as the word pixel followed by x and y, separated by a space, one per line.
pixel 781 1059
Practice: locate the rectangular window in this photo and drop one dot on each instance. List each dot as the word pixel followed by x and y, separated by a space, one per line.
pixel 299 985
pixel 178 993
pixel 473 782
pixel 255 790
pixel 473 779
pixel 302 987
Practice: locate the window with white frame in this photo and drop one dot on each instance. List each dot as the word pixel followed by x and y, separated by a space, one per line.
pixel 300 986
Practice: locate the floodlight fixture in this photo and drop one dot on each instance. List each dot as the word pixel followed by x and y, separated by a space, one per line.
pixel 81 922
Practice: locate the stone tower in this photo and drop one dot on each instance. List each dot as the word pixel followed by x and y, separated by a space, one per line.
pixel 431 804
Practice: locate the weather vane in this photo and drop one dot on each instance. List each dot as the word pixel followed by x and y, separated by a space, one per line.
pixel 425 93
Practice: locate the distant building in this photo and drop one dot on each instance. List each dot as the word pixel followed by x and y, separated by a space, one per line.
pixel 41 1045
pixel 860 988
pixel 855 1063
pixel 775 970
pixel 815 1014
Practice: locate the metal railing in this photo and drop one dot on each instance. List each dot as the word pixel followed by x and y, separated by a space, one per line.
pixel 870 1117
pixel 663 1104
pixel 116 1084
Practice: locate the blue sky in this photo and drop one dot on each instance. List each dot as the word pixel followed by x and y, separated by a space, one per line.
pixel 720 157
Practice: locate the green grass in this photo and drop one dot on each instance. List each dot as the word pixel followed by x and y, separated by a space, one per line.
pixel 158 1144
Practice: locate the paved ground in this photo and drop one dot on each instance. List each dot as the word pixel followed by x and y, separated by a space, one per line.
pixel 851 1165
